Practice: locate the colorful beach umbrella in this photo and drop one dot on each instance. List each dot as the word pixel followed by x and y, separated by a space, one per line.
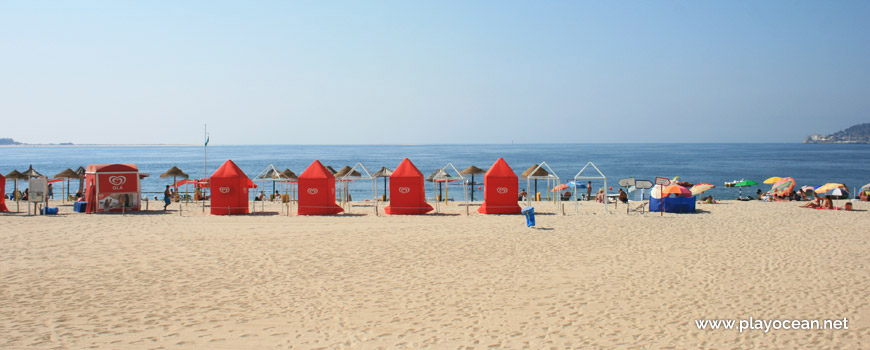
pixel 559 188
pixel 772 180
pixel 783 187
pixel 701 188
pixel 828 186
pixel 745 183
pixel 865 188
pixel 677 190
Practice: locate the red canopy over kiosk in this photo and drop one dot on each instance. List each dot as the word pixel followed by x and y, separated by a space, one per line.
pixel 3 193
pixel 229 190
pixel 112 188
pixel 317 191
pixel 407 191
pixel 500 195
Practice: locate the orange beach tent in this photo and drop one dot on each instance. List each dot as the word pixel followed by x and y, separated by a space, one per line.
pixel 112 188
pixel 407 191
pixel 229 190
pixel 500 195
pixel 317 191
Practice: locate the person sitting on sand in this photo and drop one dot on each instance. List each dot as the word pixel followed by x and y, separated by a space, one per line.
pixel 566 196
pixel 829 204
pixel 623 197
pixel 709 200
pixel 813 204
pixel 863 196
pixel 600 196
pixel 523 195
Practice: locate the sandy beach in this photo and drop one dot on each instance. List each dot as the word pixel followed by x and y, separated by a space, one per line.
pixel 588 279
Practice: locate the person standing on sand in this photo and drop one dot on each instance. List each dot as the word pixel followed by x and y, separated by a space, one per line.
pixel 167 197
pixel 50 193
pixel 589 191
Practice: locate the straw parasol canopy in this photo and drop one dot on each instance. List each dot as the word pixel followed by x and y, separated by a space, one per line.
pixel 67 174
pixel 472 170
pixel 331 169
pixel 31 173
pixel 174 172
pixel 439 173
pixel 289 174
pixel 384 173
pixel 16 175
pixel 343 172
pixel 540 172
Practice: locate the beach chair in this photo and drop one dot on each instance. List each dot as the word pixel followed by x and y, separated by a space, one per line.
pixel 634 207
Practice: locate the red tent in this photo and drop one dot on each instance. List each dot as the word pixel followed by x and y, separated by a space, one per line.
pixel 112 188
pixel 229 190
pixel 500 195
pixel 3 193
pixel 317 191
pixel 407 191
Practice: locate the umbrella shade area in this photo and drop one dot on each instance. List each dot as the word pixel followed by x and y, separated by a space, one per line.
pixel 865 188
pixel 560 188
pixel 701 188
pixel 472 170
pixel 746 183
pixel 783 187
pixel 772 180
pixel 174 172
pixel 829 186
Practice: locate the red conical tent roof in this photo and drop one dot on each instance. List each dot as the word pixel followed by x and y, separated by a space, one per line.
pixel 500 169
pixel 406 169
pixel 316 171
pixel 230 170
pixel 500 195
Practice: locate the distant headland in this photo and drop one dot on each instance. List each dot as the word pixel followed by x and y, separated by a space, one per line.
pixel 12 142
pixel 855 134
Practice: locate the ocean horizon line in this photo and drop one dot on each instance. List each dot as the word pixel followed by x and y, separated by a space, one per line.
pixel 399 144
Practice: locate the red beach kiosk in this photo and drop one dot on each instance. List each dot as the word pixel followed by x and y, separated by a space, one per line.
pixel 112 188
pixel 229 190
pixel 317 191
pixel 500 195
pixel 407 191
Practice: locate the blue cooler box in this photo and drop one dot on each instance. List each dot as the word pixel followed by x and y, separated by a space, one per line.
pixel 80 207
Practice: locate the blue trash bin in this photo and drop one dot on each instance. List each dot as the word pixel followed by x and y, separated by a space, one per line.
pixel 529 213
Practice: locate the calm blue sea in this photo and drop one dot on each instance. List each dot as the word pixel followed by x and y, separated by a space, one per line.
pixel 809 164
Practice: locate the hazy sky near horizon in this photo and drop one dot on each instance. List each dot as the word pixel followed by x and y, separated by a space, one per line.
pixel 409 72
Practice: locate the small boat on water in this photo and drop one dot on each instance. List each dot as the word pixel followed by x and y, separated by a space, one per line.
pixel 732 183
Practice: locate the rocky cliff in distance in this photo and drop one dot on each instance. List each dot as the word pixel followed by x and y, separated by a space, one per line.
pixel 8 142
pixel 855 134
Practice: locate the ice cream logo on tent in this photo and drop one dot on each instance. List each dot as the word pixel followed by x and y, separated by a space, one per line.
pixel 404 190
pixel 117 180
pixel 312 191
pixel 502 190
pixel 225 190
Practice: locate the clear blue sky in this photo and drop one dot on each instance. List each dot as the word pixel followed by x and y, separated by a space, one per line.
pixel 411 72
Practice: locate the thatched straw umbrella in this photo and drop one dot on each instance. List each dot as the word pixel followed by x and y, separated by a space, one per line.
pixel 175 173
pixel 66 174
pixel 331 170
pixel 289 174
pixel 472 170
pixel 16 175
pixel 384 173
pixel 440 174
pixel 346 171
pixel 528 173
